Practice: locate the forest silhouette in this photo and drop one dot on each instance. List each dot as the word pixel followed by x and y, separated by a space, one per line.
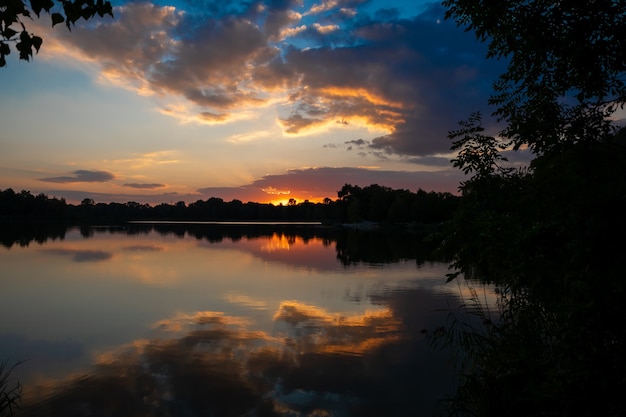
pixel 548 237
pixel 373 203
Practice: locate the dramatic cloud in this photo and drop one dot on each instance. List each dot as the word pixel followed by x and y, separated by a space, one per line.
pixel 82 176
pixel 314 359
pixel 409 77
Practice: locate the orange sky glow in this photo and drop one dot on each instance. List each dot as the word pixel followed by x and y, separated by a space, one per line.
pixel 256 102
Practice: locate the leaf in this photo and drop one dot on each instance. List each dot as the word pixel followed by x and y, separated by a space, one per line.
pixel 9 33
pixel 24 36
pixel 4 49
pixel 104 8
pixel 24 49
pixel 86 14
pixel 36 5
pixel 25 46
pixel 452 276
pixel 57 18
pixel 37 41
pixel 108 8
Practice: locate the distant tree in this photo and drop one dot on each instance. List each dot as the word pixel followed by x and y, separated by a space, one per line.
pixel 354 211
pixel 348 192
pixel 14 14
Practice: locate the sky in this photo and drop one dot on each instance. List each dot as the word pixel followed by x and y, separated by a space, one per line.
pixel 258 101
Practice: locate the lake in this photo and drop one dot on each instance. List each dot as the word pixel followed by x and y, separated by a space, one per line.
pixel 224 320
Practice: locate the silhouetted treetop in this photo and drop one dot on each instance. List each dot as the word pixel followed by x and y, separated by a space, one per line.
pixel 372 203
pixel 566 74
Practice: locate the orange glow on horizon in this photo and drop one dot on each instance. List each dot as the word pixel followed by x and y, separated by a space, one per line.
pixel 285 201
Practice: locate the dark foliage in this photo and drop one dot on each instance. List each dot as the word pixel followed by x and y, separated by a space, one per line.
pixel 566 71
pixel 15 13
pixel 375 204
pixel 549 241
pixel 548 237
pixel 10 390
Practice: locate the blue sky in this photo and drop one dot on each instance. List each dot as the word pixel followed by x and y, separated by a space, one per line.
pixel 258 101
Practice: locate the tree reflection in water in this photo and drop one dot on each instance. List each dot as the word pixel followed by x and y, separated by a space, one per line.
pixel 311 363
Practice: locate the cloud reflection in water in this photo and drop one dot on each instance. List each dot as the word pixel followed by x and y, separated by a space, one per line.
pixel 79 255
pixel 314 363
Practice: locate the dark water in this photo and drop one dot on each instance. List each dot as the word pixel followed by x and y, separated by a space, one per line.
pixel 224 320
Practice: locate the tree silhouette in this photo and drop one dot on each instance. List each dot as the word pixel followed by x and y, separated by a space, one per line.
pixel 14 13
pixel 566 76
pixel 544 236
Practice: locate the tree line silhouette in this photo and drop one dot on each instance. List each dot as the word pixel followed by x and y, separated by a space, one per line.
pixel 373 203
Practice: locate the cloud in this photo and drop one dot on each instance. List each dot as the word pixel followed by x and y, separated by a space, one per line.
pixel 313 184
pixel 359 143
pixel 411 79
pixel 246 301
pixel 79 255
pixel 417 90
pixel 160 50
pixel 318 183
pixel 332 8
pixel 431 161
pixel 149 159
pixel 82 176
pixel 274 191
pixel 150 186
pixel 331 362
pixel 143 248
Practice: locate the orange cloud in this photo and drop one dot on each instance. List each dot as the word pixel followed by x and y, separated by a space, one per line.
pixel 328 106
pixel 373 73
pixel 334 91
pixel 274 191
pixel 326 332
pixel 323 7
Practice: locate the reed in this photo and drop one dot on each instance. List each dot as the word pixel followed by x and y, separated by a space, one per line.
pixel 10 389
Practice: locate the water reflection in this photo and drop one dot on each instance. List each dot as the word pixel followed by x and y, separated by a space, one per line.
pixel 78 255
pixel 352 246
pixel 183 322
pixel 314 363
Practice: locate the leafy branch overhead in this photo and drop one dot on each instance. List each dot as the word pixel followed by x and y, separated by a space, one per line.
pixel 566 76
pixel 13 14
pixel 477 153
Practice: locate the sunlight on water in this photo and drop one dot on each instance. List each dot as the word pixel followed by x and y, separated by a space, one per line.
pixel 275 320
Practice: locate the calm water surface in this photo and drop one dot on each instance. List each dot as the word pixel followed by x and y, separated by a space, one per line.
pixel 209 321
